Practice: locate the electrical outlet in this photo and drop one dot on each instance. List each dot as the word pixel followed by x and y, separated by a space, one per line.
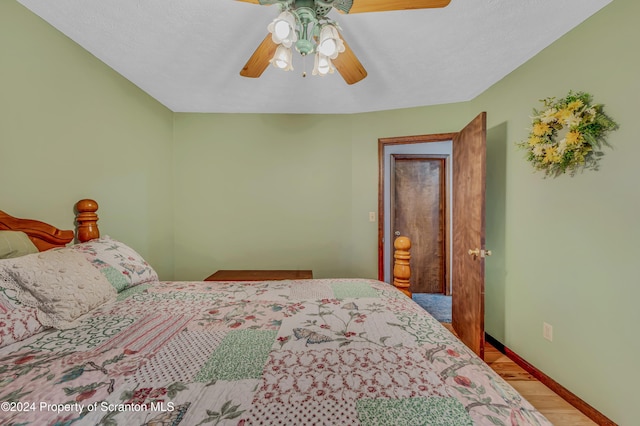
pixel 372 216
pixel 547 331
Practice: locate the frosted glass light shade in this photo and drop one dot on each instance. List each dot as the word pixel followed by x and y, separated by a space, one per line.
pixel 283 29
pixel 282 58
pixel 322 65
pixel 330 44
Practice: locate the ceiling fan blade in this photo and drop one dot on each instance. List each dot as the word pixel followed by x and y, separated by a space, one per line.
pixel 259 61
pixel 349 66
pixel 362 6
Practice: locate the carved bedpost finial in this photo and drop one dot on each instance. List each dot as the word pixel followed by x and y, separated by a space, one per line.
pixel 401 269
pixel 87 220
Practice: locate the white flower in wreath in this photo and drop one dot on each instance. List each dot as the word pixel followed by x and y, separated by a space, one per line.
pixel 549 116
pixel 573 120
pixel 562 146
pixel 538 150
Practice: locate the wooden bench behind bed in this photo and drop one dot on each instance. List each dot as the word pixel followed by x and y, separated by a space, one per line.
pixel 46 236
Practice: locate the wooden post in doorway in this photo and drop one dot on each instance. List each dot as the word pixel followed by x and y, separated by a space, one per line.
pixel 401 268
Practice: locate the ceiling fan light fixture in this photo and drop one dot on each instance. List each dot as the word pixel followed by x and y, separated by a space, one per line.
pixel 283 29
pixel 322 65
pixel 306 25
pixel 282 58
pixel 309 31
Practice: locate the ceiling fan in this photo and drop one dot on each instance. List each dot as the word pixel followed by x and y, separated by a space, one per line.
pixel 304 24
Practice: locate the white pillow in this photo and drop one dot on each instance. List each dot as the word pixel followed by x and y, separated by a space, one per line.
pixel 61 284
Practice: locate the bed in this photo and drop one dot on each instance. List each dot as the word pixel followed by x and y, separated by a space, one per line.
pixel 292 352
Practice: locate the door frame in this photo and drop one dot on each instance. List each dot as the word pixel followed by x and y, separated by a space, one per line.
pixel 382 144
pixel 446 183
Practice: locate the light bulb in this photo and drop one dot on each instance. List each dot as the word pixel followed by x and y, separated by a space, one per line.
pixel 282 29
pixel 323 66
pixel 327 47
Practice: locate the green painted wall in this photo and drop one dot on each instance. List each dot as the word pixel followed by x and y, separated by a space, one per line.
pixel 294 191
pixel 568 247
pixel 262 192
pixel 72 128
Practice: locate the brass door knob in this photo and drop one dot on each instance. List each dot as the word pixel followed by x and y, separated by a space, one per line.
pixel 477 252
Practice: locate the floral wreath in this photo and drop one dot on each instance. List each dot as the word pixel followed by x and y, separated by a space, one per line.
pixel 585 125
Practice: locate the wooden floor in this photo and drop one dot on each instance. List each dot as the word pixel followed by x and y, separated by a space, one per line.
pixel 554 408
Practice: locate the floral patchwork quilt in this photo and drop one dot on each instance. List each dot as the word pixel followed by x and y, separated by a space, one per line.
pixel 325 352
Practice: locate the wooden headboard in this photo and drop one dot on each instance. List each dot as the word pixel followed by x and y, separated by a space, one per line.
pixel 46 236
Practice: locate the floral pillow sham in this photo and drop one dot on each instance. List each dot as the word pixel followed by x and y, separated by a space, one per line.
pixel 120 264
pixel 17 321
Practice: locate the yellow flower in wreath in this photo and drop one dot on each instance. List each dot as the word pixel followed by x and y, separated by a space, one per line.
pixel 563 115
pixel 551 154
pixel 541 129
pixel 575 105
pixel 534 140
pixel 574 138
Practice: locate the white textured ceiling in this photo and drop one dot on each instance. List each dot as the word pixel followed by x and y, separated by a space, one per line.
pixel 187 54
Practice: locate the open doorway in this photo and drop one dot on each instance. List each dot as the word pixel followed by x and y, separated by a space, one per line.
pixel 417 186
pixel 466 229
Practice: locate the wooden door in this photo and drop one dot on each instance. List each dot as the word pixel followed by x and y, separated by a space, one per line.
pixel 468 216
pixel 418 208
